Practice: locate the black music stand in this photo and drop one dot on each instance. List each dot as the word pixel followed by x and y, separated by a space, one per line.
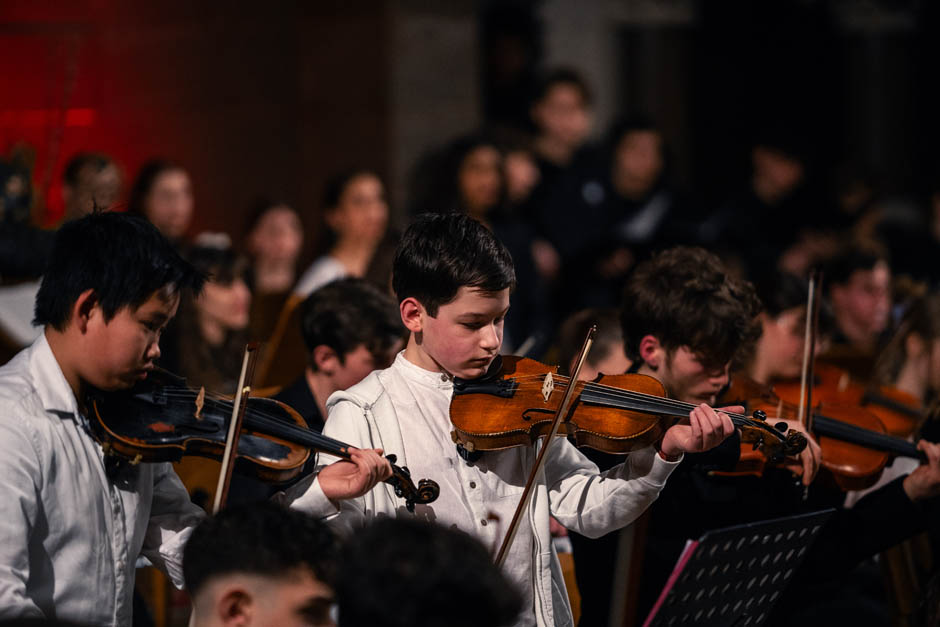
pixel 734 576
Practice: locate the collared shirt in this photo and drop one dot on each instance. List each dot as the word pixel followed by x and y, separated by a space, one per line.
pixel 479 498
pixel 70 536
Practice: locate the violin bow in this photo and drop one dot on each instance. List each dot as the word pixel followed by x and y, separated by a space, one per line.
pixel 805 415
pixel 235 425
pixel 540 460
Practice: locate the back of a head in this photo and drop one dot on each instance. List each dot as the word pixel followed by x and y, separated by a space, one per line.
pixel 406 573
pixel 440 253
pixel 348 313
pixel 685 297
pixel 123 258
pixel 575 328
pixel 260 539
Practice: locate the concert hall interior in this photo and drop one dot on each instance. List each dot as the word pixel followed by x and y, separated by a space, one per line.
pixel 595 313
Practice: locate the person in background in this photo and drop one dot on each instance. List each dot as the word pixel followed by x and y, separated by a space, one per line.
pixel 356 215
pixel 606 355
pixel 477 186
pixel 273 243
pixel 163 194
pixel 562 116
pixel 261 566
pixel 604 218
pixel 858 286
pixel 90 181
pixel 207 340
pixel 409 573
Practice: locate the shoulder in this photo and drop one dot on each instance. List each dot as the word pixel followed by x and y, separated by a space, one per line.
pixel 323 270
pixel 15 381
pixel 364 394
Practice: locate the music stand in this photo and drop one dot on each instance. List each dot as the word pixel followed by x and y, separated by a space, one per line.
pixel 734 576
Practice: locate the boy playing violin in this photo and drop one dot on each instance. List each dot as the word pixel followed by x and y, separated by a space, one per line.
pixel 74 521
pixel 453 278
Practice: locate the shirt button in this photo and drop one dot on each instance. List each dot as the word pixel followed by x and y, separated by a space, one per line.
pixel 473 484
pixel 483 522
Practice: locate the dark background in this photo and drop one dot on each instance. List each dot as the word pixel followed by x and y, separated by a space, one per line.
pixel 272 98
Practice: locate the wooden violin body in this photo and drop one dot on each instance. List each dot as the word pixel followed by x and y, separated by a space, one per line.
pixel 900 413
pixel 517 408
pixel 854 443
pixel 515 403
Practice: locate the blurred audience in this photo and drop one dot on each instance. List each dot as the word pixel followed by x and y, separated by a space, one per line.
pixel 163 194
pixel 206 340
pixel 273 243
pixel 90 181
pixel 858 282
pixel 356 216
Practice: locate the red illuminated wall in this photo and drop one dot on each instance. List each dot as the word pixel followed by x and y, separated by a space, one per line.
pixel 264 98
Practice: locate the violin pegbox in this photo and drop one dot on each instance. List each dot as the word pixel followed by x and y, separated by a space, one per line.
pixel 548 386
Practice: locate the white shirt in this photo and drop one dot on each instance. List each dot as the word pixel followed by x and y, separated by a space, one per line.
pixel 69 537
pixel 323 270
pixel 405 410
pixel 479 498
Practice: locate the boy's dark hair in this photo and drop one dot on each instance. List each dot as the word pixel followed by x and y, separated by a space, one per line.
pixel 123 258
pixel 562 76
pixel 260 539
pixel 440 253
pixel 851 258
pixel 683 297
pixel 409 573
pixel 348 313
pixel 575 328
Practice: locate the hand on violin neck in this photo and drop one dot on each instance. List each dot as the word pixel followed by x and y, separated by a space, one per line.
pixel 349 479
pixel 806 464
pixel 704 429
pixel 924 482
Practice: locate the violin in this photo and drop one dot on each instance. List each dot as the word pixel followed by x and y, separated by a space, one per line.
pixel 900 412
pixel 514 403
pixel 161 419
pixel 855 445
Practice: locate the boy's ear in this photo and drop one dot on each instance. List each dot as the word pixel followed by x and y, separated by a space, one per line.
pixel 652 352
pixel 83 308
pixel 234 607
pixel 325 359
pixel 411 314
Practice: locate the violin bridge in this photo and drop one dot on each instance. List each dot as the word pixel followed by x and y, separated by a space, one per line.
pixel 200 401
pixel 548 385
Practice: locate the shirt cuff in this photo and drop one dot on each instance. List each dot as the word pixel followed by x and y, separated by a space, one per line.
pixel 649 464
pixel 307 496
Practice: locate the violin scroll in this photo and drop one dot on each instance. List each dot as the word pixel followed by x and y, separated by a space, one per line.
pixel 425 492
pixel 777 448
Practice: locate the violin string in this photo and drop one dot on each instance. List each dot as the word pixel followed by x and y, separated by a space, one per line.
pixel 268 422
pixel 660 400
